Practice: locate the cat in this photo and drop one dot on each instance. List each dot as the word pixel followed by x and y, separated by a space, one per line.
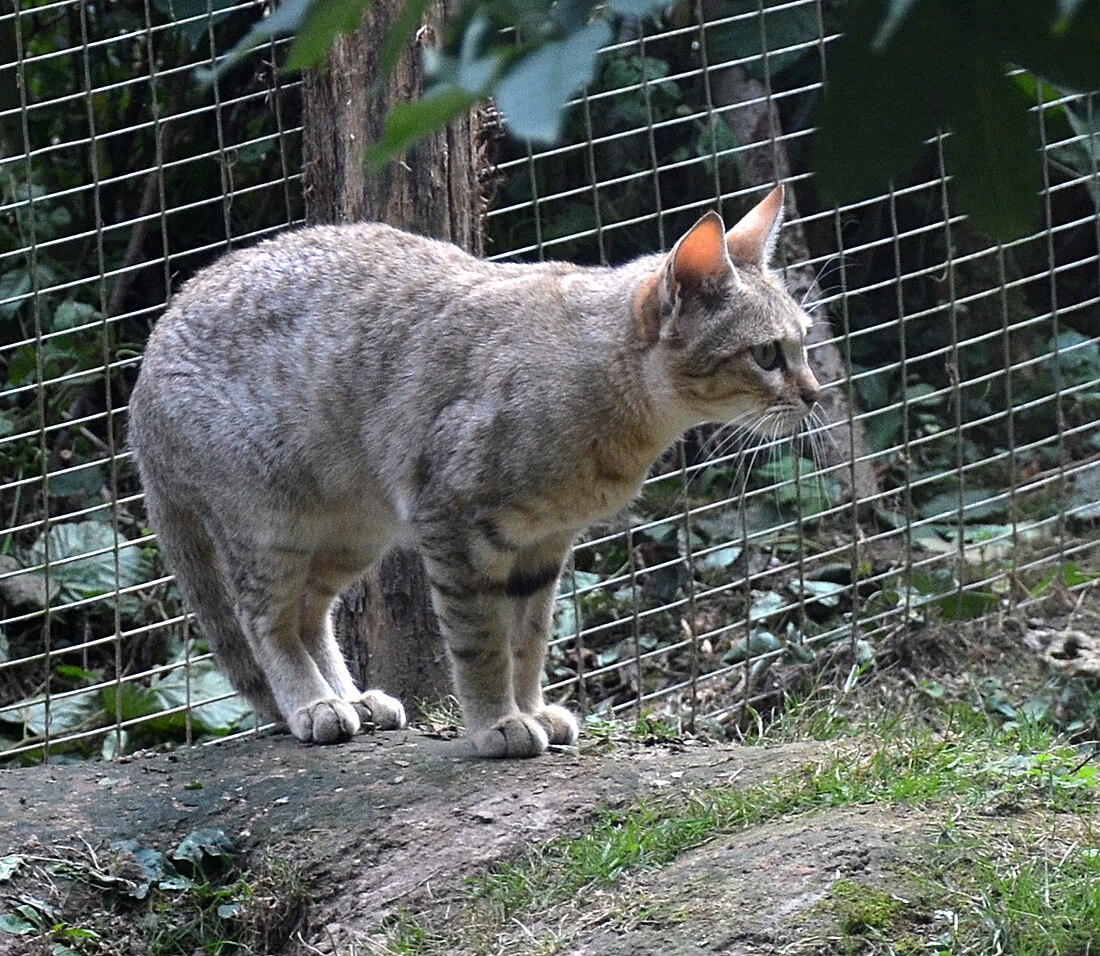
pixel 307 403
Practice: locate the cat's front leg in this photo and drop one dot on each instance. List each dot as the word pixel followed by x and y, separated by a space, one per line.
pixel 473 613
pixel 532 612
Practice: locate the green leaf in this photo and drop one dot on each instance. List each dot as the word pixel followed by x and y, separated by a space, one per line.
pixel 968 605
pixel 70 314
pixel 1033 34
pixel 65 714
pixel 992 154
pixel 94 574
pixel 765 604
pixel 757 643
pixel 324 20
pixel 9 864
pixel 154 869
pixel 787 25
pixel 978 505
pixel 202 681
pixel 83 482
pixel 412 12
pixel 881 104
pixel 826 593
pixel 16 924
pixel 533 93
pixel 409 122
pixel 130 701
pixel 285 20
pixel 720 559
pixel 570 15
pixel 200 846
pixel 1067 9
pixel 13 285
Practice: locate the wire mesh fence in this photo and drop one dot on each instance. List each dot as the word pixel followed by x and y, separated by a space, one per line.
pixel 120 176
pixel 966 429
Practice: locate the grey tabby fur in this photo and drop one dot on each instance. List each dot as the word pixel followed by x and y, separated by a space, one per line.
pixel 309 402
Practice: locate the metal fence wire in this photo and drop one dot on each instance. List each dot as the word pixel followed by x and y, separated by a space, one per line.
pixel 964 408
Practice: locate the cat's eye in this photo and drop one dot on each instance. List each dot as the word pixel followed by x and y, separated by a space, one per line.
pixel 768 356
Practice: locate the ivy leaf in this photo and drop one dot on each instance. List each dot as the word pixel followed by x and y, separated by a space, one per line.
pixel 9 864
pixel 533 94
pixel 765 604
pixel 91 573
pixel 17 924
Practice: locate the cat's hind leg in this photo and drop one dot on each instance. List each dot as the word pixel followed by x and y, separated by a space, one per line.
pixel 376 709
pixel 270 581
pixel 191 553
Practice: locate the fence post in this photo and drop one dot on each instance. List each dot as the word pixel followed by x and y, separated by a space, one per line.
pixel 384 623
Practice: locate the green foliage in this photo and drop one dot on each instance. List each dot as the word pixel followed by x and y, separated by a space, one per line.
pixel 549 54
pixel 191 699
pixel 905 70
pixel 195 898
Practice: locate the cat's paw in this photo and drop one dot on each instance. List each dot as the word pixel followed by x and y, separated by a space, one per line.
pixel 379 710
pixel 559 724
pixel 324 722
pixel 520 735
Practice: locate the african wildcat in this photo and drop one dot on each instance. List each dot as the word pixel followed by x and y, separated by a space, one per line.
pixel 306 403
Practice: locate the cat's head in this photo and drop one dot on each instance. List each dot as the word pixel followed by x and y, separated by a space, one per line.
pixel 727 338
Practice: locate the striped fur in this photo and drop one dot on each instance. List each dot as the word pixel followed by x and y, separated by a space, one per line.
pixel 307 403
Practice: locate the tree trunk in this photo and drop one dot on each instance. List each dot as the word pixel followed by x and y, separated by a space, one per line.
pixel 753 120
pixel 385 623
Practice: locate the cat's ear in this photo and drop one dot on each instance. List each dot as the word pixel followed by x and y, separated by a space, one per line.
pixel 700 258
pixel 752 240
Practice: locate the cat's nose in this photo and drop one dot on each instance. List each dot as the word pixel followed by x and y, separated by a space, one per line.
pixel 810 395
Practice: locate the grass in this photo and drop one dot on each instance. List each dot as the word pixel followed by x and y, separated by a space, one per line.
pixel 977 768
pixel 1033 895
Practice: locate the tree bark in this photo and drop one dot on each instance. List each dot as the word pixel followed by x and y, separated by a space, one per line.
pixel 754 121
pixel 384 623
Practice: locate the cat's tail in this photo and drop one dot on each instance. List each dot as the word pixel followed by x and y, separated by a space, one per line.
pixel 192 555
